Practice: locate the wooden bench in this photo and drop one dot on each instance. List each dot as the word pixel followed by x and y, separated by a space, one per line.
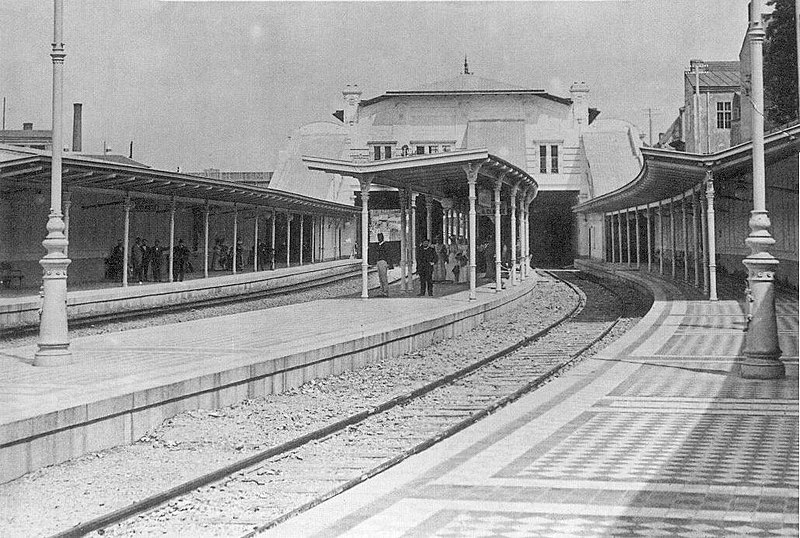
pixel 8 274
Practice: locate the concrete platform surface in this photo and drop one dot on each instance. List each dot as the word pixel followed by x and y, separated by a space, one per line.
pixel 123 384
pixel 654 436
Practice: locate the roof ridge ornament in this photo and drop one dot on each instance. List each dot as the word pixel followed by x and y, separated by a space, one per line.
pixel 466 66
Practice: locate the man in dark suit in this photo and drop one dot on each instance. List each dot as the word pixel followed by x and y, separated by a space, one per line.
pixel 426 258
pixel 181 254
pixel 156 258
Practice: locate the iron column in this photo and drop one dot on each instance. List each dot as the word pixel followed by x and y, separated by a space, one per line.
pixel 53 346
pixel 761 352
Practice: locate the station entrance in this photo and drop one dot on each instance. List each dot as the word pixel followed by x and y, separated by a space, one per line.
pixel 552 223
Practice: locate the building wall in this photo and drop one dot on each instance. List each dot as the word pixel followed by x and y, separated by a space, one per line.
pixel 454 120
pixel 712 138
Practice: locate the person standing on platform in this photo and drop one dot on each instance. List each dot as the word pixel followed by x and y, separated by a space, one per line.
pixel 156 258
pixel 382 263
pixel 426 259
pixel 181 255
pixel 147 257
pixel 137 258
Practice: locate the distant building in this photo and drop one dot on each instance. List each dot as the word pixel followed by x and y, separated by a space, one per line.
pixel 259 179
pixel 28 137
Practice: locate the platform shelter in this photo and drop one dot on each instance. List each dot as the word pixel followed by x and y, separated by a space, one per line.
pixel 449 179
pixel 685 215
pixel 106 202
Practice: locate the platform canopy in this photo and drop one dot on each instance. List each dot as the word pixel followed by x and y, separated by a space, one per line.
pixel 440 175
pixel 24 168
pixel 667 174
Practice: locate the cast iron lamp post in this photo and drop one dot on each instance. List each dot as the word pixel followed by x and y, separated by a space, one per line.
pixel 761 352
pixel 53 337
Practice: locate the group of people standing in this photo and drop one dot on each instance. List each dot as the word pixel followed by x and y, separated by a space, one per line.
pixel 435 263
pixel 146 262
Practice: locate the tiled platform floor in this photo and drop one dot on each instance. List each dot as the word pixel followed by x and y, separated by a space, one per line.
pixel 655 436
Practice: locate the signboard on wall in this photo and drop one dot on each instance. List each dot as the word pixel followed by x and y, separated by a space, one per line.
pixel 385 221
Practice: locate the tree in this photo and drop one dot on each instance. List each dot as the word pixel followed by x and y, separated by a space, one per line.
pixel 780 65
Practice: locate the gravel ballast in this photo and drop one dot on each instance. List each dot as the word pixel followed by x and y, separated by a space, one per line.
pixel 193 443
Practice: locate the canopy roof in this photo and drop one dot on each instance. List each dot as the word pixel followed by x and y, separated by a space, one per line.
pixel 666 174
pixel 22 169
pixel 440 175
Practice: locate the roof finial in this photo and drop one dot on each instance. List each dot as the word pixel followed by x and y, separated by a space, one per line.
pixel 466 66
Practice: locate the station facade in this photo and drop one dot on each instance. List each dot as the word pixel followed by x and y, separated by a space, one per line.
pixel 555 140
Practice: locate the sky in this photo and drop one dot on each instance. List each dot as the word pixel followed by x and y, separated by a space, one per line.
pixel 224 84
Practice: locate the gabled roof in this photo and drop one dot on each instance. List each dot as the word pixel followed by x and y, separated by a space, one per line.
pixel 468 83
pixel 471 85
pixel 114 158
pixel 717 75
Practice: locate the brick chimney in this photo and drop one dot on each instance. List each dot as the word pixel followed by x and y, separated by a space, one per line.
pixel 579 91
pixel 352 97
pixel 77 127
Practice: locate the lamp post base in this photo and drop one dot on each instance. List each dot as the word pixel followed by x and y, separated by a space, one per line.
pixel 761 368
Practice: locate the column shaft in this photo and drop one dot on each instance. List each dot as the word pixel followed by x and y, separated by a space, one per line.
pixel 365 184
pixel 638 239
pixel 126 241
pixel 649 239
pixel 205 240
pixel 498 278
pixel 512 202
pixel 235 238
pixel 172 241
pixel 472 177
pixel 685 231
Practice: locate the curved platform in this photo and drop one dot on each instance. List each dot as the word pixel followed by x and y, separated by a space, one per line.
pixel 125 384
pixel 653 436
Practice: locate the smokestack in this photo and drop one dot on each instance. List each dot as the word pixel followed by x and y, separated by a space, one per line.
pixel 130 153
pixel 27 127
pixel 77 127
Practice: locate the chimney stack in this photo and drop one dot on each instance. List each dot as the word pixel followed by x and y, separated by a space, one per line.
pixel 77 127
pixel 352 97
pixel 27 126
pixel 579 91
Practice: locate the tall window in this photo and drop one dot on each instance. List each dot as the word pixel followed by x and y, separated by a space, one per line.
pixel 542 159
pixel 553 159
pixel 724 115
pixel 381 152
pixel 420 150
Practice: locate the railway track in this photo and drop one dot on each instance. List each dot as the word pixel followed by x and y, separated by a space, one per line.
pixel 323 463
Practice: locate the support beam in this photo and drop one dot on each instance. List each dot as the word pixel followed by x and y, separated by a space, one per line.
pixel 365 185
pixel 704 233
pixel 672 232
pixel 498 279
pixel 628 236
pixel 403 196
pixel 172 209
pixel 428 217
pixel 126 240
pixel 255 241
pixel 288 240
pixel 512 202
pixel 205 239
pixel 695 242
pixel 649 239
pixel 619 235
pixel 685 234
pixel 272 241
pixel 660 212
pixel 613 238
pixel 712 238
pixel 472 179
pixel 302 220
pixel 638 239
pixel 235 238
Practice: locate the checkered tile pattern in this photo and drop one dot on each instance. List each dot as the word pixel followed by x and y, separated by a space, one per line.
pixel 487 524
pixel 702 381
pixel 682 448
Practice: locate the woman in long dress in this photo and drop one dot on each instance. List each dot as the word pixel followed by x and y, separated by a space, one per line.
pixel 440 267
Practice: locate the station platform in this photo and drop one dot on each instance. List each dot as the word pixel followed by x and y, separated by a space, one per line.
pixel 124 384
pixel 19 308
pixel 653 436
